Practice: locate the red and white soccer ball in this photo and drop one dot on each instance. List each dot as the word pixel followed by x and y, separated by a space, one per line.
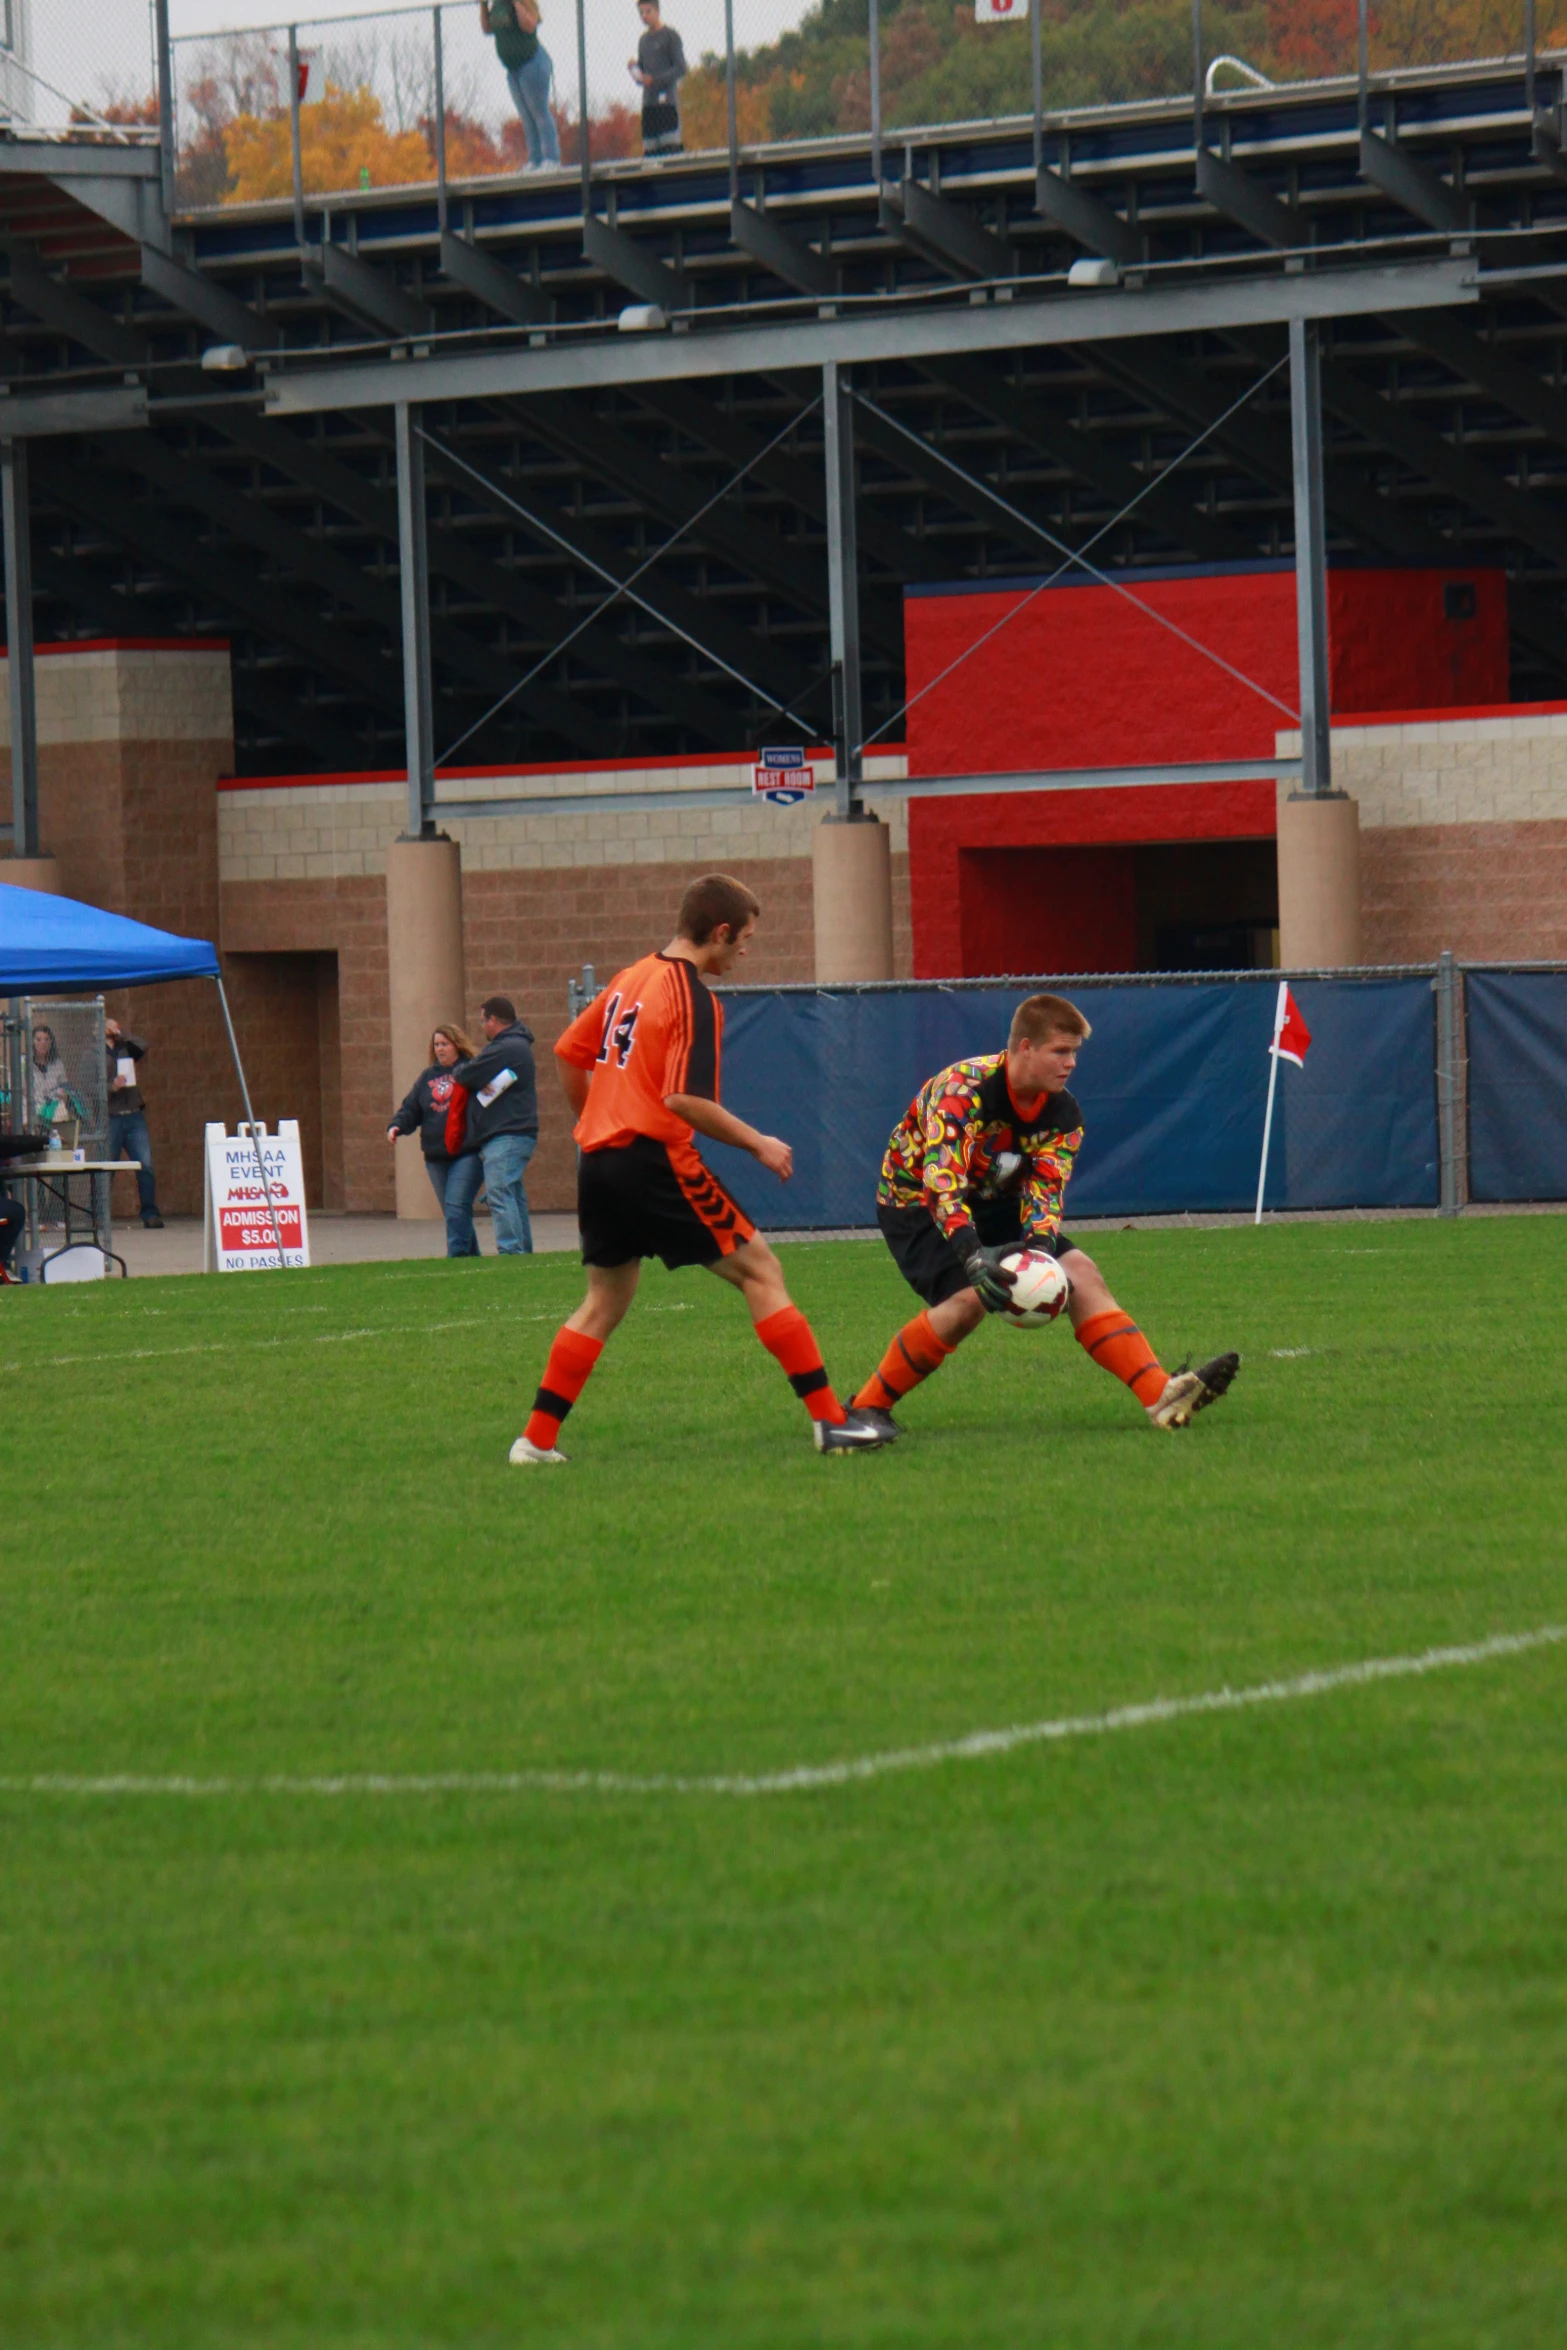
pixel 1039 1292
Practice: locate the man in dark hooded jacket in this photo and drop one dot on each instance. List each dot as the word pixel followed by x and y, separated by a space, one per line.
pixel 494 1115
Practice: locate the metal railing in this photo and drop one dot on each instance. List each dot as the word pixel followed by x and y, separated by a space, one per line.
pixel 341 105
pixel 79 70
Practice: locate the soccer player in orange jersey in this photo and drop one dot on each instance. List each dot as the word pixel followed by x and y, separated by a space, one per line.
pixel 640 1069
pixel 977 1168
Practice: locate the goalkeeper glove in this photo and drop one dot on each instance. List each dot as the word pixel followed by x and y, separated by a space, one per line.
pixel 991 1280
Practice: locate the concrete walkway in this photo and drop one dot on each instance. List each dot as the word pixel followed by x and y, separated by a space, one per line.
pixel 334 1240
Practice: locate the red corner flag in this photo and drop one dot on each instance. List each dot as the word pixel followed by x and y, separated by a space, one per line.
pixel 1291 1036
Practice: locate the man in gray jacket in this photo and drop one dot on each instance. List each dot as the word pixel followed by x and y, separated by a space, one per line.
pixel 495 1115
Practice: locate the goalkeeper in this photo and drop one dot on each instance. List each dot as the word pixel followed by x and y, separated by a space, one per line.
pixel 976 1169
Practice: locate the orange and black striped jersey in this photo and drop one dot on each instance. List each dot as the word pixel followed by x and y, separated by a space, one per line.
pixel 655 1030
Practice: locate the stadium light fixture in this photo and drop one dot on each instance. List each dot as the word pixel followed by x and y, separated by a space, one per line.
pixel 1093 271
pixel 224 359
pixel 642 318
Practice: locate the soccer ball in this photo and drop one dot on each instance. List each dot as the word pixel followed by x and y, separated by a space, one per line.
pixel 1039 1292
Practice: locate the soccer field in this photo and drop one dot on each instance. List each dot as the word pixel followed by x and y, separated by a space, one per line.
pixel 1230 2028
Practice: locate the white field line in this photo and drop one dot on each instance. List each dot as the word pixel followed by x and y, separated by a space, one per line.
pixel 977 1746
pixel 229 1346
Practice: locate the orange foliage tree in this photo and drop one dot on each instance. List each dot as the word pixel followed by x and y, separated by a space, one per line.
pixel 704 108
pixel 343 143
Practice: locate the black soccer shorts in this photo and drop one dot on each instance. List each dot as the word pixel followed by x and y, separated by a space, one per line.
pixel 926 1257
pixel 634 1201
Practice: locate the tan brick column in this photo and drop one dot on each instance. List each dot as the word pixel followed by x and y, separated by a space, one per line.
pixel 32 873
pixel 851 861
pixel 425 971
pixel 1319 881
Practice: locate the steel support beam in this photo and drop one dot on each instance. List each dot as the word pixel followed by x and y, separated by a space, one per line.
pixel 1180 774
pixel 211 306
pixel 632 265
pixel 843 588
pixel 17 522
pixel 366 293
pixel 413 561
pixel 1086 218
pixel 1421 191
pixel 510 592
pixel 943 233
pixel 500 289
pixel 921 331
pixel 1165 505
pixel 1311 565
pixel 1236 194
pixel 795 263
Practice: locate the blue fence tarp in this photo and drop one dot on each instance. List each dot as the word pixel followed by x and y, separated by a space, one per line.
pixel 1172 1084
pixel 1517 1024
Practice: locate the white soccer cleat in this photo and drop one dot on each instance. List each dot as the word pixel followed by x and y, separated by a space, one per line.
pixel 1177 1401
pixel 524 1455
pixel 1186 1392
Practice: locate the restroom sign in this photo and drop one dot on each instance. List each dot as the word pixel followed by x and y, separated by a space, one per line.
pixel 239 1233
pixel 782 776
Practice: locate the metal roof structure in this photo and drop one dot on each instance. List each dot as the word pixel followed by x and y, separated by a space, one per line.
pixel 856 367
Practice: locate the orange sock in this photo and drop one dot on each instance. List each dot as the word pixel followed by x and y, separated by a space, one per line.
pixel 572 1357
pixel 1117 1345
pixel 787 1338
pixel 912 1356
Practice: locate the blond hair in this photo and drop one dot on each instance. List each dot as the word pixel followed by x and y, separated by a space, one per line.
pixel 466 1047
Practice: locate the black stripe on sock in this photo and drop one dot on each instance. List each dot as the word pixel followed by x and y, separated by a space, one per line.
pixel 1127 1330
pixel 548 1401
pixel 807 1383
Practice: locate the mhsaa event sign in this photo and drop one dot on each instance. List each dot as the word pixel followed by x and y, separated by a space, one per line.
pixel 782 776
pixel 240 1238
pixel 1000 11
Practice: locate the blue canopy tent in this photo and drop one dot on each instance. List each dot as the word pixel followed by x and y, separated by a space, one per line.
pixel 48 943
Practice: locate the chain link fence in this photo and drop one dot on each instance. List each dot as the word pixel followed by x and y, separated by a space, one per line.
pixel 361 99
pixel 78 69
pixel 54 1082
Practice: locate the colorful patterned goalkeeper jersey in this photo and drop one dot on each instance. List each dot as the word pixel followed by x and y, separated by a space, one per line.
pixel 954 1142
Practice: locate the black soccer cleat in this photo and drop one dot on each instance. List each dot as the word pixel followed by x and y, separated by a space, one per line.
pixel 886 1427
pixel 1216 1378
pixel 855 1434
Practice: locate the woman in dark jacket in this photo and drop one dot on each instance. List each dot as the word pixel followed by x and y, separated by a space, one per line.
pixel 424 1113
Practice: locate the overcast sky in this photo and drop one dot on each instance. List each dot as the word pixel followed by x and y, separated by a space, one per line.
pixel 87 47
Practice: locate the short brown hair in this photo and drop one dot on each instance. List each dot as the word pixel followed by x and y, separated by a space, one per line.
pixel 1040 1017
pixel 713 903
pixel 497 1007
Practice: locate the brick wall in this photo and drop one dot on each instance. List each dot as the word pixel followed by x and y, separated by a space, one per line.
pixel 303 864
pixel 1463 831
pixel 131 740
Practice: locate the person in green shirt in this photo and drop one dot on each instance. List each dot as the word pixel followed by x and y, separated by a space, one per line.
pixel 513 25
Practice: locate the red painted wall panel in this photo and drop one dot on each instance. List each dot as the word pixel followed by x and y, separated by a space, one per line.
pixel 1087 676
pixel 946 929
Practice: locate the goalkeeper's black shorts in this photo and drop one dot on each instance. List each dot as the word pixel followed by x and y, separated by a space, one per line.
pixel 926 1257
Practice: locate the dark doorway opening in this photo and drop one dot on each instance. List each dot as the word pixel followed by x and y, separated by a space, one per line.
pixel 1151 906
pixel 286 1011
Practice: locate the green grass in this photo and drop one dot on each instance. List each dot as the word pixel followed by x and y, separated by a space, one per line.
pixel 1241 2030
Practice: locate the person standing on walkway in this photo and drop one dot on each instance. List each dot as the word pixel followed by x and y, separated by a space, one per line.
pixel 424 1111
pixel 658 69
pixel 128 1136
pixel 494 1118
pixel 513 25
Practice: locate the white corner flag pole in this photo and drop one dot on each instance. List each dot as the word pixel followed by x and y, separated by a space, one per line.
pixel 1279 1016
